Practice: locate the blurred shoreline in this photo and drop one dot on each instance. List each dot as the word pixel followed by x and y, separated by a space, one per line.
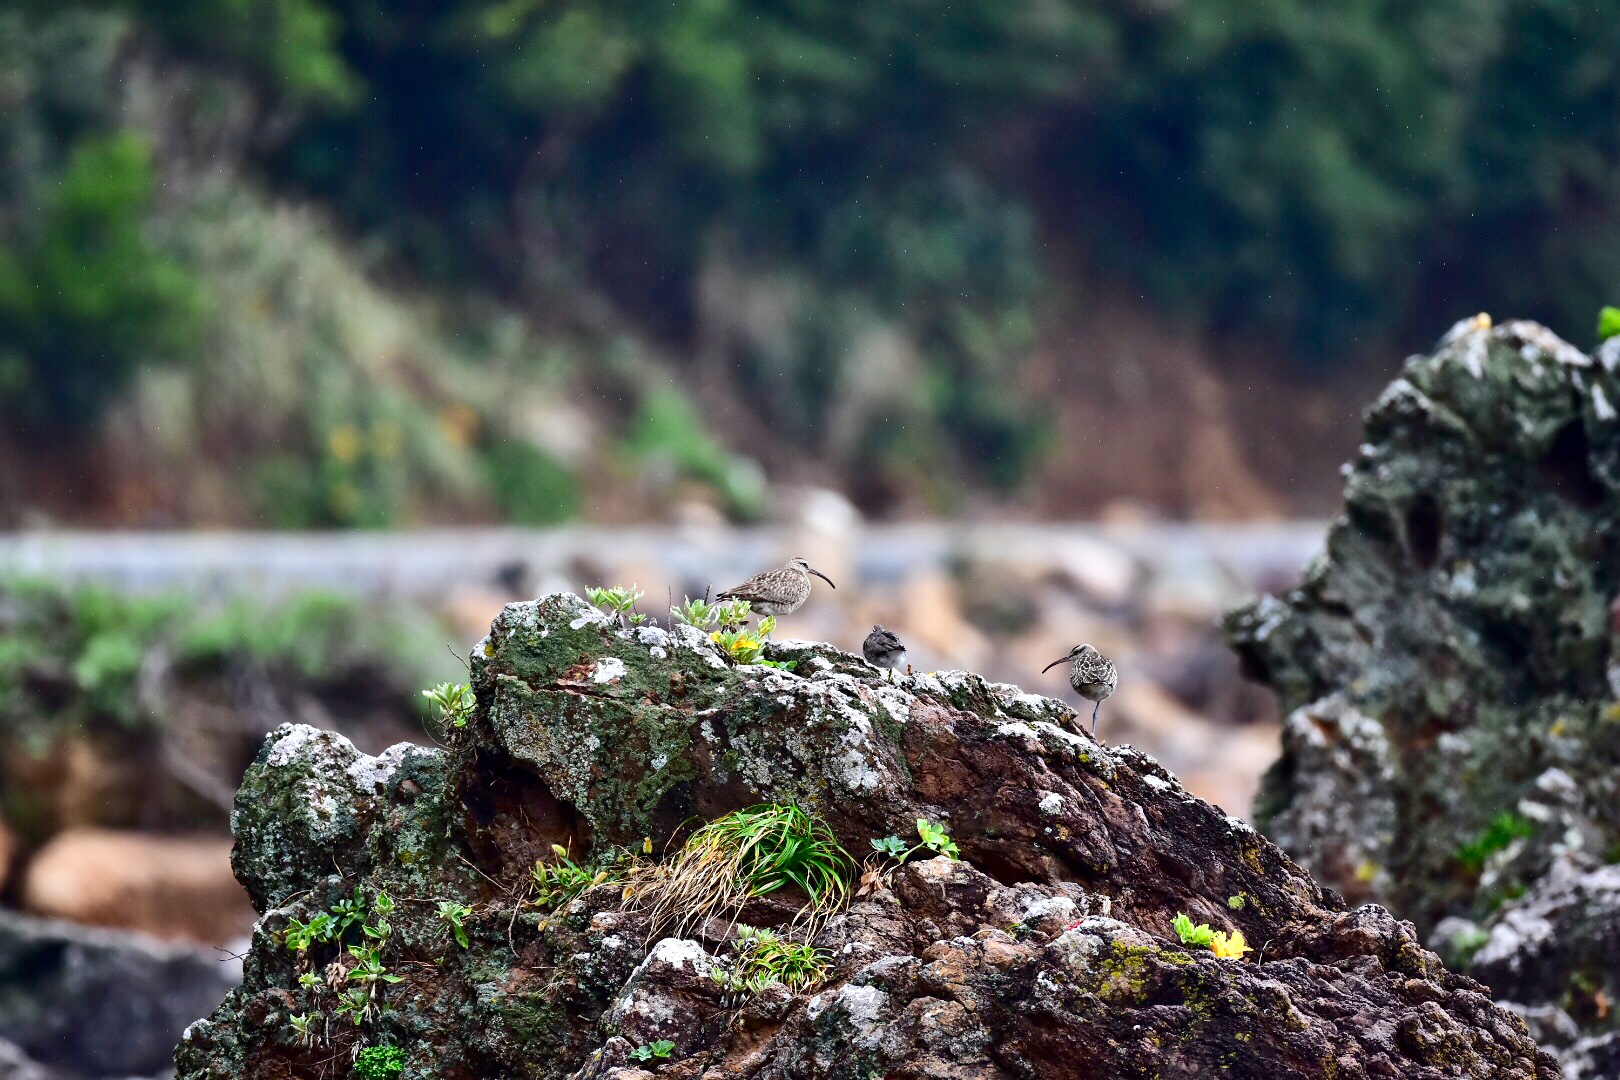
pixel 425 562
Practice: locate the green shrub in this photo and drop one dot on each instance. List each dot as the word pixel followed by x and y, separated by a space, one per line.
pixel 379 1063
pixel 85 297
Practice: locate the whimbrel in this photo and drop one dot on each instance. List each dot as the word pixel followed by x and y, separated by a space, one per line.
pixel 1092 675
pixel 882 649
pixel 777 592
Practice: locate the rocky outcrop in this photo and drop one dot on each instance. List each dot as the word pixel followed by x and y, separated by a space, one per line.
pixel 1050 942
pixel 1449 672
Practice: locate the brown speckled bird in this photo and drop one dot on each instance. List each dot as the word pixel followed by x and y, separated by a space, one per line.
pixel 882 649
pixel 1092 675
pixel 777 592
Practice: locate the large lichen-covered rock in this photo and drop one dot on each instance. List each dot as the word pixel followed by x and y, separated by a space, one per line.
pixel 1448 665
pixel 1049 944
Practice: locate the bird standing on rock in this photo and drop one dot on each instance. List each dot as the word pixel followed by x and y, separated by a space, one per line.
pixel 882 649
pixel 1092 675
pixel 777 592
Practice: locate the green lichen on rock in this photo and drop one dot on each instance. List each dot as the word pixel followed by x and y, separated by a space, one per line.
pixel 598 738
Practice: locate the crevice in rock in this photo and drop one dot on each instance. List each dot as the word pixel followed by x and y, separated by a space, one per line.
pixel 1566 468
pixel 1425 527
pixel 513 818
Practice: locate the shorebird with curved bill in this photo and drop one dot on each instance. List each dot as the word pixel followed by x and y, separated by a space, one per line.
pixel 777 592
pixel 882 649
pixel 1092 675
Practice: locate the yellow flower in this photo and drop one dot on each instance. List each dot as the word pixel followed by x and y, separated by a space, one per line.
pixel 714 635
pixel 344 443
pixel 1229 948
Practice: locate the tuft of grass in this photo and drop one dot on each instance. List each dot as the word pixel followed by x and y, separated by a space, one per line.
pixel 747 853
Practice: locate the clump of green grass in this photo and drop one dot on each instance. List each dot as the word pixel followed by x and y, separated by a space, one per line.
pixel 745 854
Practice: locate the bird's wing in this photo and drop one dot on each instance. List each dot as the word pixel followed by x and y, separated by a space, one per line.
pixel 1094 668
pixel 748 590
pixel 888 641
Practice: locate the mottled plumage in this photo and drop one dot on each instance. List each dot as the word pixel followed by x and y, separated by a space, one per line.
pixel 777 592
pixel 882 649
pixel 1092 675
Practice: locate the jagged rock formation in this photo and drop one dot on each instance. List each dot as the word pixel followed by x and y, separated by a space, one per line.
pixel 1050 944
pixel 1449 671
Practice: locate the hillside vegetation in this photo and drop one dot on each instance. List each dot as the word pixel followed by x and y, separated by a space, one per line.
pixel 505 259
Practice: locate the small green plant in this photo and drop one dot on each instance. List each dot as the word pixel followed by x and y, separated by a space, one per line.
pixel 300 1025
pixel 618 600
pixel 1499 835
pixel 748 853
pixel 348 912
pixel 743 646
pixel 299 935
pixel 456 915
pixel 368 969
pixel 660 1050
pixel 1198 936
pixel 454 702
pixel 379 1063
pixel 930 836
pixel 356 1004
pixel 310 981
pixel 1236 903
pixel 892 846
pixel 379 927
pixel 1608 323
pixel 936 839
pixel 733 613
pixel 766 959
pixel 558 883
pixel 1461 948
pixel 1228 946
pixel 698 613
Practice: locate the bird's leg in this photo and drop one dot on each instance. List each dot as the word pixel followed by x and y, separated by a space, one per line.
pixel 1094 718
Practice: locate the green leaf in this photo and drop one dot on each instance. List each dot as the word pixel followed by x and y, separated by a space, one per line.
pixel 1608 323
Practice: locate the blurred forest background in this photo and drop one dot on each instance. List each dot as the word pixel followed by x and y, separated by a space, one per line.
pixel 310 263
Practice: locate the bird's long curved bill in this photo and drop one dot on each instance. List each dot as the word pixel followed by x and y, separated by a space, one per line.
pixel 823 577
pixel 1053 664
